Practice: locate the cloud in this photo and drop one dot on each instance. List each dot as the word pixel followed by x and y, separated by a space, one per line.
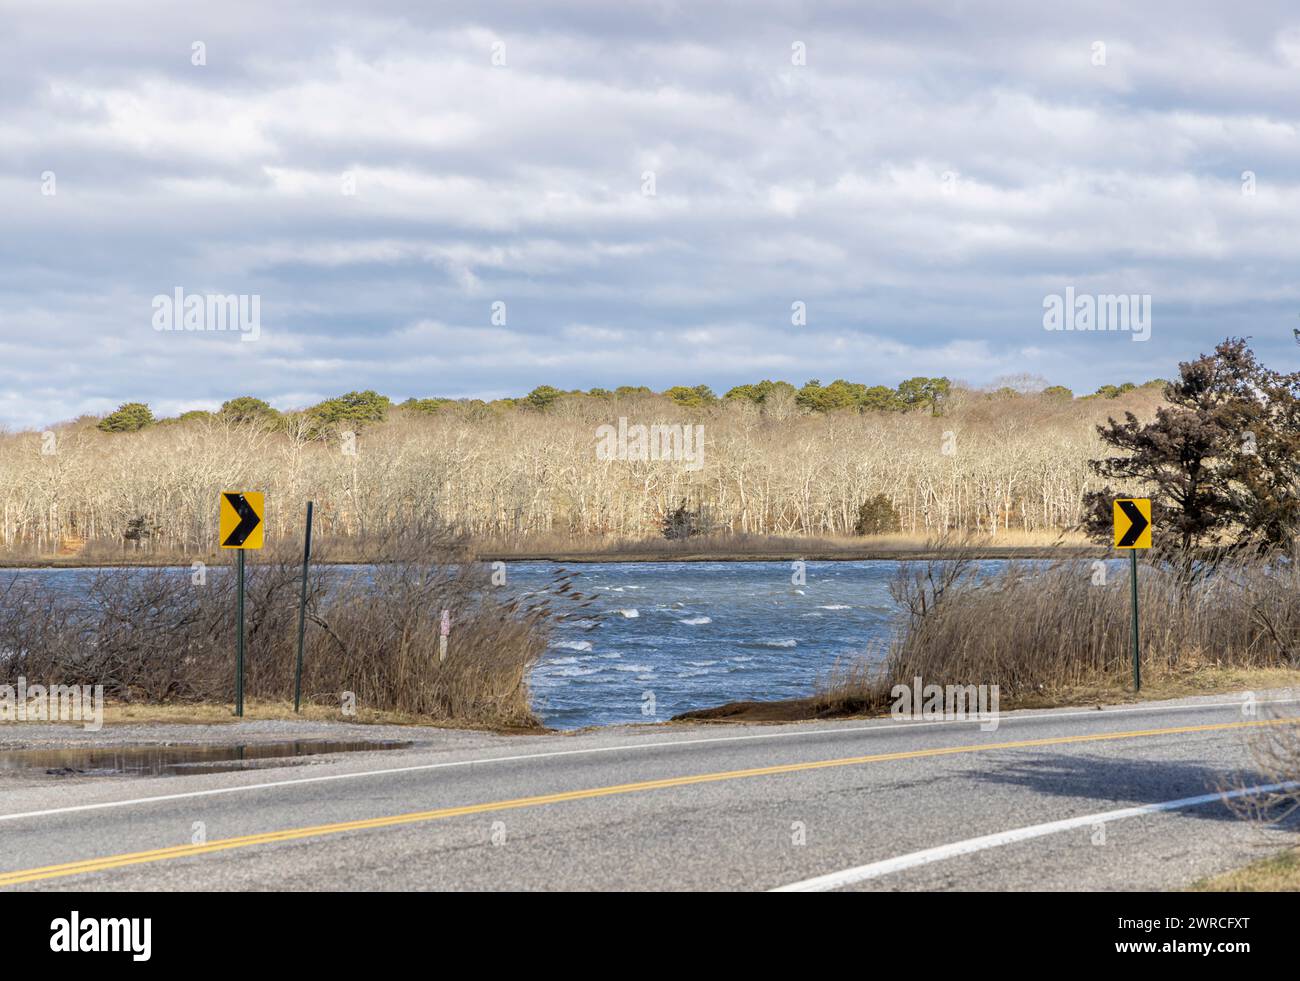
pixel 920 184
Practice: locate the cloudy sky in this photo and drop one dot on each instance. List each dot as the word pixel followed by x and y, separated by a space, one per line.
pixel 642 191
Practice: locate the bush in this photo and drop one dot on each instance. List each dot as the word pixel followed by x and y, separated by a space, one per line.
pixel 130 417
pixel 683 522
pixel 692 398
pixel 543 397
pixel 153 635
pixel 877 516
pixel 358 408
pixel 1033 628
pixel 247 410
pixel 426 406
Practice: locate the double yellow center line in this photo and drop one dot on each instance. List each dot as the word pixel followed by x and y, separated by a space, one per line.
pixel 416 817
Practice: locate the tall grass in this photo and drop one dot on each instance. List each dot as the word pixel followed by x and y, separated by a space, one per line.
pixel 1032 628
pixel 168 635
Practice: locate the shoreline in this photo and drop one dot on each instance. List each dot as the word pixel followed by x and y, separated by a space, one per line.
pixel 1111 691
pixel 1170 687
pixel 814 553
pixel 865 554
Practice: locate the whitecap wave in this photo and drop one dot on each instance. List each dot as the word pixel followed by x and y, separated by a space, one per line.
pixel 572 645
pixel 696 621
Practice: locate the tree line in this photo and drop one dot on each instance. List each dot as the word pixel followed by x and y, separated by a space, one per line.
pixel 362 408
pixel 987 464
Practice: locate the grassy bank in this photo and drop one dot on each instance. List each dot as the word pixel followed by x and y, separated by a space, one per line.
pixel 769 548
pixel 1058 634
pixel 1280 873
pixel 828 703
pixel 580 548
pixel 118 712
pixel 1034 630
pixel 373 645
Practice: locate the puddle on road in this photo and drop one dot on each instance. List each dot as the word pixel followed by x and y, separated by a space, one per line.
pixel 157 761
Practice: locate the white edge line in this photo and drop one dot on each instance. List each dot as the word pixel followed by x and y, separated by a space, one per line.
pixel 847 877
pixel 591 750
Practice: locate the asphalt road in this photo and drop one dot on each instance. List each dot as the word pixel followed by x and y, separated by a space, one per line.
pixel 907 805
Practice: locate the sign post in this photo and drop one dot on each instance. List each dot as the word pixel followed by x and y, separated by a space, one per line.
pixel 241 527
pixel 302 611
pixel 239 636
pixel 1132 518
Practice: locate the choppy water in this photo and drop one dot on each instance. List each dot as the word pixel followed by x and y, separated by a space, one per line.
pixel 676 636
pixel 683 635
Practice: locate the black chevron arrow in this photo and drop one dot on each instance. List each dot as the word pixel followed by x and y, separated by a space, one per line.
pixel 248 520
pixel 1138 524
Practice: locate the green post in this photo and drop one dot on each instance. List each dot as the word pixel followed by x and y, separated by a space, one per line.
pixel 1133 585
pixel 239 636
pixel 302 611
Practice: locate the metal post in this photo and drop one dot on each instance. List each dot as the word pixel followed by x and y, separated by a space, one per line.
pixel 1133 585
pixel 239 637
pixel 302 611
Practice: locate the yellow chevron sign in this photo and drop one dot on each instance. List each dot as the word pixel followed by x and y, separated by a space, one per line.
pixel 241 519
pixel 1133 522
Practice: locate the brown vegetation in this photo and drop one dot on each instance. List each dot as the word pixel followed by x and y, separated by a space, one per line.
pixel 167 635
pixel 987 465
pixel 1033 627
pixel 1043 632
pixel 1278 873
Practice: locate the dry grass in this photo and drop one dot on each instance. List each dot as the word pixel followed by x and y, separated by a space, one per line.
pixel 836 699
pixel 1280 873
pixel 117 712
pixel 1160 685
pixel 714 548
pixel 156 637
pixel 1059 633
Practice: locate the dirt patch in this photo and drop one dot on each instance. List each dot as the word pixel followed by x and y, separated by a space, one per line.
pixel 118 713
pixel 785 710
pixel 1163 686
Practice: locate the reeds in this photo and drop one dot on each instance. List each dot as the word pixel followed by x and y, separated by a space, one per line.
pixel 374 639
pixel 1035 627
